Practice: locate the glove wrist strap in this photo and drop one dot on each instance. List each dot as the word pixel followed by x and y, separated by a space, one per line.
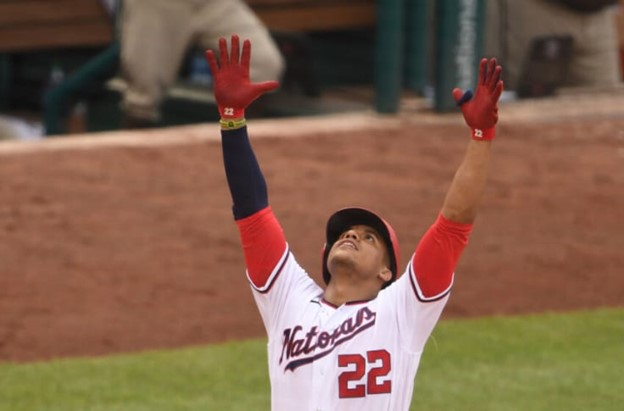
pixel 232 123
pixel 486 134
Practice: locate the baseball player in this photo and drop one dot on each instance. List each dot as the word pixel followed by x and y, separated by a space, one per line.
pixel 356 344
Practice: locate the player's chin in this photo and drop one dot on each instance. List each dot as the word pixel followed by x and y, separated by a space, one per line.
pixel 341 258
pixel 342 253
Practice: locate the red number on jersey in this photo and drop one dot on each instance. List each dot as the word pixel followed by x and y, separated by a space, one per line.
pixel 381 366
pixel 355 375
pixel 374 387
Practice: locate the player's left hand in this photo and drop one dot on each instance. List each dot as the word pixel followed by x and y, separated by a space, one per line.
pixel 481 111
pixel 232 88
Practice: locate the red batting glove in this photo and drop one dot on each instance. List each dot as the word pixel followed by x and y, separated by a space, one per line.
pixel 232 88
pixel 481 112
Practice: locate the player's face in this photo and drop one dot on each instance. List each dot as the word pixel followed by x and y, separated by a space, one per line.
pixel 360 250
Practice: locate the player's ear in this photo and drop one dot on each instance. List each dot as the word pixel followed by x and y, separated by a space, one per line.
pixel 385 274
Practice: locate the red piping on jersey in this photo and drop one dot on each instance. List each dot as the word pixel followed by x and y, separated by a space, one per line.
pixel 355 302
pixel 423 299
pixel 324 301
pixel 264 245
pixel 272 279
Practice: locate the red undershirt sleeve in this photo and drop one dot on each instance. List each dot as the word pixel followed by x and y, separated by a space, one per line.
pixel 437 254
pixel 263 243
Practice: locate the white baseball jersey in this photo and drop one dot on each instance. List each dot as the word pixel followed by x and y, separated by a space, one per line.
pixel 359 356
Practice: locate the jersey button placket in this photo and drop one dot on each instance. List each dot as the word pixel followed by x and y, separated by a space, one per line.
pixel 317 385
pixel 322 373
pixel 319 366
pixel 316 382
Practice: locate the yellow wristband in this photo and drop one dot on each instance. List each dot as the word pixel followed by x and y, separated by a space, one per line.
pixel 232 124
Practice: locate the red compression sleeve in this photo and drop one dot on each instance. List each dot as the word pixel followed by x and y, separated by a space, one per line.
pixel 437 254
pixel 263 244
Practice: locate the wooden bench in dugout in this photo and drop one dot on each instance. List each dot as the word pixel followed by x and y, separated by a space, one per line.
pixel 41 25
pixel 27 25
pixel 315 15
pixel 30 25
pixel 291 20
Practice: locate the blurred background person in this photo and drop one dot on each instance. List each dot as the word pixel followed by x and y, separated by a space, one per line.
pixel 156 35
pixel 567 42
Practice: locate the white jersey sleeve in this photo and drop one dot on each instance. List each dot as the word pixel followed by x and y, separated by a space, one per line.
pixel 416 315
pixel 287 288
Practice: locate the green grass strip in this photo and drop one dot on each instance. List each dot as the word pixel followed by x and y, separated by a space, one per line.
pixel 533 363
pixel 544 362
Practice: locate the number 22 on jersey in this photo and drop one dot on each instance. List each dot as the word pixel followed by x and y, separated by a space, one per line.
pixel 356 382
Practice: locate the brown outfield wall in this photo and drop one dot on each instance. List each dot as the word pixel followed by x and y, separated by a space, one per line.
pixel 123 242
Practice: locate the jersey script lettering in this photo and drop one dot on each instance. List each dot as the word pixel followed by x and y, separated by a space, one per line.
pixel 298 343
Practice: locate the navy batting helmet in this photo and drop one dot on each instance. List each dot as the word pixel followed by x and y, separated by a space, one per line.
pixel 346 218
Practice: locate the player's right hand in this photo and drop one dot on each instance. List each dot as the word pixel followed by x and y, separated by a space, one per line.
pixel 232 87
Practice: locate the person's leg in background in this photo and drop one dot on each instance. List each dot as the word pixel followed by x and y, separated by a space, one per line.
pixel 222 18
pixel 512 26
pixel 596 59
pixel 154 38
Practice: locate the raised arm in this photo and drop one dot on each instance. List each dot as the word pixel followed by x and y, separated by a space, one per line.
pixel 261 235
pixel 481 115
pixel 234 93
pixel 439 250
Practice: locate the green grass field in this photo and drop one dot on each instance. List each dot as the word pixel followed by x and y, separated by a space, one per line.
pixel 542 362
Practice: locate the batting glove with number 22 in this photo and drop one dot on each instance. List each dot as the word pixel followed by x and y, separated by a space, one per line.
pixel 232 87
pixel 481 112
